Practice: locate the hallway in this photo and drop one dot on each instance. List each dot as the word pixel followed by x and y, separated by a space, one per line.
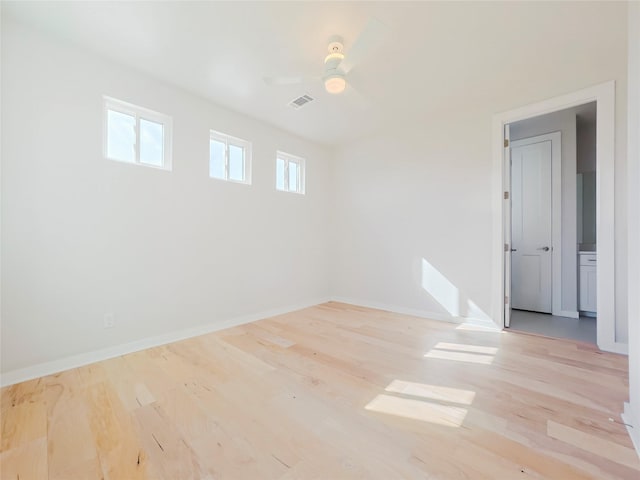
pixel 582 329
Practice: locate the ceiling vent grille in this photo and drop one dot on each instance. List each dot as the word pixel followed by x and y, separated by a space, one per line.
pixel 300 101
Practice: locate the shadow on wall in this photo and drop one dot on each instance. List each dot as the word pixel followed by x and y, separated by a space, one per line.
pixel 455 302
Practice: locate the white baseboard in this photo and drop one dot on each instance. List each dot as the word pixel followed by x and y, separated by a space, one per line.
pixel 82 359
pixel 418 313
pixel 47 368
pixel 568 313
pixel 615 347
pixel 633 427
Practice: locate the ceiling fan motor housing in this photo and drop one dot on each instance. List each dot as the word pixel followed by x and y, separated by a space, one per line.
pixel 334 78
pixel 336 45
pixel 336 53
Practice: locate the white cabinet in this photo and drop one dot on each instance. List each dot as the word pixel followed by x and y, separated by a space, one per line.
pixel 587 287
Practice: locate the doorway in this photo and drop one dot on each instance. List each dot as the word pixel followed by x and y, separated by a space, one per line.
pixel 604 96
pixel 550 154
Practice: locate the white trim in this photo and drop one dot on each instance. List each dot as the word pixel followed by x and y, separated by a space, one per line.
pixel 79 360
pixel 604 95
pixel 568 313
pixel 82 359
pixel 227 140
pixel 506 225
pixel 139 113
pixel 632 410
pixel 633 426
pixel 287 158
pixel 615 347
pixel 441 317
pixel 556 213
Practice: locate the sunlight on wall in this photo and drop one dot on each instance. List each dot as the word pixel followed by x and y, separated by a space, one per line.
pixel 446 415
pixel 433 392
pixel 449 296
pixel 440 288
pixel 475 311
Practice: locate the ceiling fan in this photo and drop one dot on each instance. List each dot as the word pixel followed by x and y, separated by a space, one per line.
pixel 338 63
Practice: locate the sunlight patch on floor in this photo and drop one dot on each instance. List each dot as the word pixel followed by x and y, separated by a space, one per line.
pixel 432 392
pixel 476 327
pixel 461 347
pixel 446 415
pixel 461 352
pixel 460 357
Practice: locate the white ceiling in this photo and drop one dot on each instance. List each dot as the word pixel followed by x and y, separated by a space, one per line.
pixel 221 50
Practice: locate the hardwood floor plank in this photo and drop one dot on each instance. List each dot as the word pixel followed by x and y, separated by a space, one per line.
pixel 30 391
pixel 23 423
pixel 332 391
pixel 131 390
pixel 119 451
pixel 26 462
pixel 165 448
pixel 593 444
pixel 70 442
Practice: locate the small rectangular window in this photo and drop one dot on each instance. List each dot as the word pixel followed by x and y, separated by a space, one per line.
pixel 229 158
pixel 151 143
pixel 289 173
pixel 136 135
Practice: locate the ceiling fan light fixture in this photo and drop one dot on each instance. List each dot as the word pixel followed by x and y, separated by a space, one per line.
pixel 334 57
pixel 335 83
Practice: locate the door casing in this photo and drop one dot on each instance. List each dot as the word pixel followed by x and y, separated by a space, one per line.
pixel 604 96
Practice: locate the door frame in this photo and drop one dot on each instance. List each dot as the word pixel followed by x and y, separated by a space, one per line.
pixel 604 96
pixel 556 215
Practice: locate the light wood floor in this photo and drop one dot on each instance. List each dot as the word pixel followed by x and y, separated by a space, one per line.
pixel 333 392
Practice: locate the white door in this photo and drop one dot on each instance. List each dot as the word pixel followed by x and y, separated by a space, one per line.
pixel 531 240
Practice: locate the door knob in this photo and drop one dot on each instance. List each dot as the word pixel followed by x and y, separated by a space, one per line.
pixel 544 249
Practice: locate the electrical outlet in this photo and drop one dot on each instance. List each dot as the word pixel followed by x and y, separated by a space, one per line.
pixel 109 320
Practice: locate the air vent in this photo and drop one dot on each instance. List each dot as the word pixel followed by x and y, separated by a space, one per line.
pixel 300 101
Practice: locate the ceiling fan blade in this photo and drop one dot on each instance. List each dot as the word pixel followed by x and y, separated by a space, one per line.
pixel 370 38
pixel 279 81
pixel 357 97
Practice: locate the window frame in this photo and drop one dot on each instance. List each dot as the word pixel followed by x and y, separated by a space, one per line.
pixel 301 179
pixel 236 142
pixel 138 112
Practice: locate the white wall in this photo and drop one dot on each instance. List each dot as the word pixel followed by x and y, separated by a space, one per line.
pixel 586 162
pixel 632 410
pixel 415 215
pixel 409 210
pixel 586 145
pixel 423 188
pixel 164 251
pixel 564 122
